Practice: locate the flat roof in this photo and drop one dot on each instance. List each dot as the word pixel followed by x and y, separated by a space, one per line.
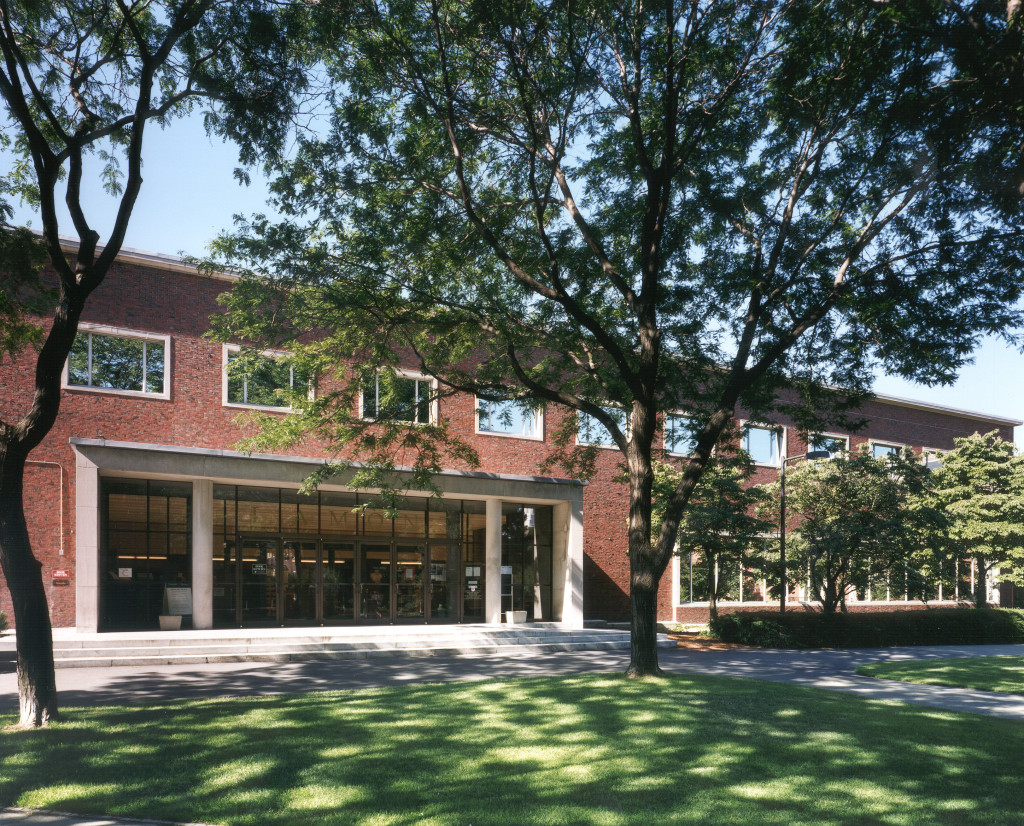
pixel 899 401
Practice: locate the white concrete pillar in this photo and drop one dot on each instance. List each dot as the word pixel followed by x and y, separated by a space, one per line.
pixel 675 571
pixel 202 553
pixel 492 560
pixel 87 545
pixel 567 588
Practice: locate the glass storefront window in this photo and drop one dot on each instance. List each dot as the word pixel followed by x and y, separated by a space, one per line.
pixel 146 545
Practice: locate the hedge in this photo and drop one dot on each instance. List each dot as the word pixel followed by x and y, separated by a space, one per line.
pixel 932 626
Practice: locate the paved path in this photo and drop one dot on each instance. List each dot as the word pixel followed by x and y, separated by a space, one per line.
pixel 829 669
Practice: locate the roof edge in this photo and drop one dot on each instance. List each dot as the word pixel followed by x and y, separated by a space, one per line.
pixel 913 404
pixel 77 441
pixel 157 260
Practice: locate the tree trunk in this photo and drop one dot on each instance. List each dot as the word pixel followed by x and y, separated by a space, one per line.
pixel 981 586
pixel 712 589
pixel 37 688
pixel 643 604
pixel 644 568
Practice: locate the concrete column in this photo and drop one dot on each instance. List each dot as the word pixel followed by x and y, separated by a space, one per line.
pixel 675 571
pixel 568 562
pixel 492 559
pixel 87 545
pixel 202 553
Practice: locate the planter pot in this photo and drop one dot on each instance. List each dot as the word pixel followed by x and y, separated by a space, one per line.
pixel 170 622
pixel 515 617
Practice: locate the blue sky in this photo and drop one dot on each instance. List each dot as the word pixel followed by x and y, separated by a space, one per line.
pixel 189 195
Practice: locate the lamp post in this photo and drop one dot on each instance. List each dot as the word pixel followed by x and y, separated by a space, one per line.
pixel 811 454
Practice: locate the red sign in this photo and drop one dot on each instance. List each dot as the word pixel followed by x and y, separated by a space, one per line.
pixel 62 573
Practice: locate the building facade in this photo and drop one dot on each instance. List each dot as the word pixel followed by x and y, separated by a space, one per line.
pixel 139 504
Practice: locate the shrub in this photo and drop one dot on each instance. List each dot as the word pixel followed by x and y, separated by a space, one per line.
pixel 932 626
pixel 3 621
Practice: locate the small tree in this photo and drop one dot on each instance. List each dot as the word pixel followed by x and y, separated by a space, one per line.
pixel 980 490
pixel 722 522
pixel 859 520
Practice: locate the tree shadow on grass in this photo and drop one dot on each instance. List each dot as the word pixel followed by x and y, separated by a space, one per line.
pixel 578 749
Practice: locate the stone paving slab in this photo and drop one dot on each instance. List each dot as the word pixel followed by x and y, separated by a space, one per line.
pixel 14 816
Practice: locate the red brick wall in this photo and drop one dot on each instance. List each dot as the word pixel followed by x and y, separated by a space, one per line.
pixel 148 299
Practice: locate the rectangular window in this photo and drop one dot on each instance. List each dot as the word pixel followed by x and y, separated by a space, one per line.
pixel 591 432
pixel 120 362
pixel 679 435
pixel 830 444
pixel 261 380
pixel 881 451
pixel 507 419
pixel 932 457
pixel 397 399
pixel 764 444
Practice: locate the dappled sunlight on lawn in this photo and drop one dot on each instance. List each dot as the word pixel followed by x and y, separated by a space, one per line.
pixel 1002 674
pixel 593 749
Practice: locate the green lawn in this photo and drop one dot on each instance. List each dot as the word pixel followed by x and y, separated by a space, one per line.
pixel 589 749
pixel 1004 674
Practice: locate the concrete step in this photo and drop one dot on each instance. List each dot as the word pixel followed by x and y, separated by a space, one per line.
pixel 186 648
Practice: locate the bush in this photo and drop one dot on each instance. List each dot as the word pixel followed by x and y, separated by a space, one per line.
pixel 3 621
pixel 932 626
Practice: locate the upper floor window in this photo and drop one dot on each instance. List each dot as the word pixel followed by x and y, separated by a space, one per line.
pixel 882 450
pixel 399 398
pixel 932 457
pixel 679 435
pixel 591 432
pixel 507 419
pixel 828 443
pixel 119 361
pixel 263 380
pixel 764 444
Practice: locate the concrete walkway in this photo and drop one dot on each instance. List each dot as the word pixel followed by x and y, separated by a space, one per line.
pixel 828 669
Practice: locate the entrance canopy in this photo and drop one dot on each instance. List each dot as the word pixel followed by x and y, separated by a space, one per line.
pixel 235 530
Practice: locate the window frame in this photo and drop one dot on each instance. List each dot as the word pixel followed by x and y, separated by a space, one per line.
pixel 120 332
pixel 227 351
pixel 844 438
pixel 403 374
pixel 611 446
pixel 882 443
pixel 538 423
pixel 748 424
pixel 665 429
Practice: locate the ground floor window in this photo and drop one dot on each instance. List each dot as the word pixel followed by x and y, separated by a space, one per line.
pixel 526 571
pixel 146 541
pixel 330 557
pixel 754 578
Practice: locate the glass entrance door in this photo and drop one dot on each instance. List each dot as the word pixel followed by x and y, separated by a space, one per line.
pixel 408 567
pixel 338 567
pixel 443 589
pixel 299 581
pixel 258 560
pixel 375 575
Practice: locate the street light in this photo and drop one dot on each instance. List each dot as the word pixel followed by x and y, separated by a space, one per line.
pixel 811 454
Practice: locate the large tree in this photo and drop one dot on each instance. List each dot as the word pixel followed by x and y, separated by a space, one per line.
pixel 624 209
pixel 80 82
pixel 980 490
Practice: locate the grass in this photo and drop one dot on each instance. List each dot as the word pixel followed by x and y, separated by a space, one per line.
pixel 1005 674
pixel 587 749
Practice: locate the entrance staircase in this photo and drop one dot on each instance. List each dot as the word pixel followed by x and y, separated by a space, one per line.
pixel 74 650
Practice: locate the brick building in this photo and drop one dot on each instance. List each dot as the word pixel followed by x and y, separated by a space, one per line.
pixel 137 499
